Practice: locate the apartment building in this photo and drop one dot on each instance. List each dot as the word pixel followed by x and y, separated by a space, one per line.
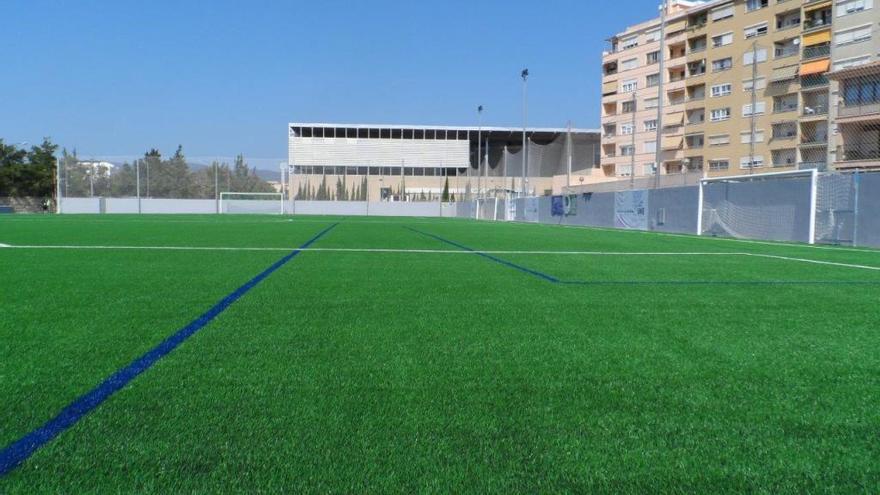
pixel 745 86
pixel 855 86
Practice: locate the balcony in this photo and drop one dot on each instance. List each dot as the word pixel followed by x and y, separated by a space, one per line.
pixel 786 51
pixel 819 165
pixel 858 153
pixel 815 110
pixel 785 107
pixel 864 110
pixel 818 51
pixel 813 81
pixel 818 23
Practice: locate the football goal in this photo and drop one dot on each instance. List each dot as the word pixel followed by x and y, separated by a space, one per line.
pixel 252 203
pixel 487 209
pixel 779 206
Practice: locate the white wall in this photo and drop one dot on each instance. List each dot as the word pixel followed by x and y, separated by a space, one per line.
pixel 379 152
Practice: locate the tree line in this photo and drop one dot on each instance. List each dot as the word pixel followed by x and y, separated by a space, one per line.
pixel 32 173
pixel 27 172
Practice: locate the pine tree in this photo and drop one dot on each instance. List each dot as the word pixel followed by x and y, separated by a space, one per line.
pixel 445 196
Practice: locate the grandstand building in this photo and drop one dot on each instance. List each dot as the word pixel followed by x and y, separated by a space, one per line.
pixel 411 163
pixel 705 64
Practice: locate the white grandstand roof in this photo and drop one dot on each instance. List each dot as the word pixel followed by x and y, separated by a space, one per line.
pixel 557 130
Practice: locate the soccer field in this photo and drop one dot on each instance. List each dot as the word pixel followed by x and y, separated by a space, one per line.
pixel 347 355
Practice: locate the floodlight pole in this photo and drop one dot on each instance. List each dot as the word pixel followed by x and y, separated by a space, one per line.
pixel 57 186
pixel 658 140
pixel 479 147
pixel 137 172
pixel 753 122
pixel 525 151
pixel 281 167
pixel 570 145
pixel 216 187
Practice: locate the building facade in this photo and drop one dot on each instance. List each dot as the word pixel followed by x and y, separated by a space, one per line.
pixel 411 163
pixel 745 86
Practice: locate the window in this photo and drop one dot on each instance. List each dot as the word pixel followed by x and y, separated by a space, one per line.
pixel 744 137
pixel 752 5
pixel 649 168
pixel 862 33
pixel 745 162
pixel 760 82
pixel 652 80
pixel 650 146
pixel 629 64
pixel 651 125
pixel 719 164
pixel 785 103
pixel 721 90
pixel 760 107
pixel 652 58
pixel 629 86
pixel 851 62
pixel 626 129
pixel 719 114
pixel 722 40
pixel 756 30
pixel 651 102
pixel 719 140
pixel 749 56
pixel 627 150
pixel 721 13
pixel 627 107
pixel 853 6
pixel 630 42
pixel 861 92
pixel 652 36
pixel 722 64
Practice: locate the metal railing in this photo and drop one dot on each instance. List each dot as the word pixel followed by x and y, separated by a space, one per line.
pixel 817 109
pixel 818 165
pixel 858 110
pixel 786 52
pixel 816 51
pixel 856 153
pixel 785 108
pixel 810 24
pixel 813 81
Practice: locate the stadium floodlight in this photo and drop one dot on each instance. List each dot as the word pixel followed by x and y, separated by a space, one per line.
pixel 252 203
pixel 777 206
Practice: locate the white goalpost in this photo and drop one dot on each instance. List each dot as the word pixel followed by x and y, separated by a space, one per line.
pixel 487 209
pixel 777 206
pixel 252 203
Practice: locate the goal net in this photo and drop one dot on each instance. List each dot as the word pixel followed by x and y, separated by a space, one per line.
pixel 487 209
pixel 777 206
pixel 252 203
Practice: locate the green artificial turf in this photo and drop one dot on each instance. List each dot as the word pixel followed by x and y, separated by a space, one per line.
pixel 349 372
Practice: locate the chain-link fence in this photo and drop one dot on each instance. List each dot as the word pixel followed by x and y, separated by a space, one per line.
pixel 827 208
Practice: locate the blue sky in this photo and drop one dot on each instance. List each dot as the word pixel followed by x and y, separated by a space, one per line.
pixel 118 77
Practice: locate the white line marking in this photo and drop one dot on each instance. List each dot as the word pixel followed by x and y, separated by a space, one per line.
pixel 377 250
pixel 447 251
pixel 816 262
pixel 711 238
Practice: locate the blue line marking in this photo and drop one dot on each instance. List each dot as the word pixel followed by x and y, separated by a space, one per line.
pixel 20 450
pixel 556 280
pixel 549 278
